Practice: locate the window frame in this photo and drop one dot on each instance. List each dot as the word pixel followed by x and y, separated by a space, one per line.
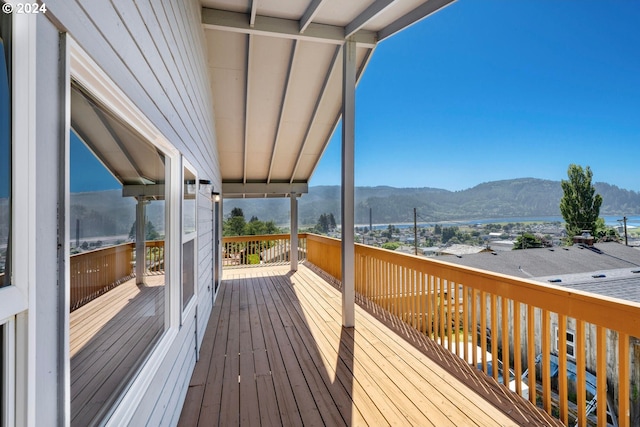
pixel 86 72
pixel 187 237
pixel 15 297
pixel 571 344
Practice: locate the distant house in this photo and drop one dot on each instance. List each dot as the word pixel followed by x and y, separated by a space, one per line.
pixel 459 250
pixel 429 251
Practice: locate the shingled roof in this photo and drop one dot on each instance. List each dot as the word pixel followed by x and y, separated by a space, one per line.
pixel 609 269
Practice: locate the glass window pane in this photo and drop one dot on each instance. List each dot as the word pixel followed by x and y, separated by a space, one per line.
pixel 117 317
pixel 189 202
pixel 188 264
pixel 5 152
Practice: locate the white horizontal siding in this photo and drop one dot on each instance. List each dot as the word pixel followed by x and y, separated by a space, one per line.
pixel 154 51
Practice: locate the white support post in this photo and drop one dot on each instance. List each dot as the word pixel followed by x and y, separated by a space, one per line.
pixel 348 182
pixel 293 250
pixel 140 241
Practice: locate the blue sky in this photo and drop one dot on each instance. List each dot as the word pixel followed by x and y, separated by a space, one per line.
pixel 496 89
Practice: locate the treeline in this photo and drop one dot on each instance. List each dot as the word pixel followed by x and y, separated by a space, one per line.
pixel 236 225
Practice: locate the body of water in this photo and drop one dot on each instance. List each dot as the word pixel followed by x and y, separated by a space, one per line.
pixel 611 221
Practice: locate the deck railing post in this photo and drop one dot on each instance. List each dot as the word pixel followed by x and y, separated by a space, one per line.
pixel 348 179
pixel 293 250
pixel 140 241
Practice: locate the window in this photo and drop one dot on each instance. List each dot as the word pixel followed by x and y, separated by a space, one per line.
pixel 5 150
pixel 117 279
pixel 188 234
pixel 571 343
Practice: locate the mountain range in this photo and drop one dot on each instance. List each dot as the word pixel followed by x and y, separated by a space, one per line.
pixel 522 197
pixel 107 213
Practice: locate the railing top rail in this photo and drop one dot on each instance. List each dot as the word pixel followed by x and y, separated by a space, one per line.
pixel 121 246
pixel 231 239
pixel 613 313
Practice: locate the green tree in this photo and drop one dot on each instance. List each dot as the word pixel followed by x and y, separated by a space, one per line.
pixel 332 222
pixel 580 205
pixel 392 246
pixel 449 233
pixel 322 226
pixel 235 224
pixel 526 241
pixel 150 231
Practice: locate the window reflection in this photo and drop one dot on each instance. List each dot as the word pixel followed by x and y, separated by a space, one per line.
pixel 117 315
pixel 188 230
pixel 5 151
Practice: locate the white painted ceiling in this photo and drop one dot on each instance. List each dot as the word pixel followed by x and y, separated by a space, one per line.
pixel 275 68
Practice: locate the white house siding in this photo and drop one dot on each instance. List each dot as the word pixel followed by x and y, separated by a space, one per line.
pixel 154 51
pixel 47 303
pixel 204 292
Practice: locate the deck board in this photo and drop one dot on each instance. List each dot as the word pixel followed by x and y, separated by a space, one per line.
pixel 308 369
pixel 109 338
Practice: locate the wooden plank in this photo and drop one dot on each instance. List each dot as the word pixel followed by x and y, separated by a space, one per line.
pixel 212 395
pixel 363 376
pixel 104 387
pixel 102 333
pixel 288 344
pixel 335 344
pixel 287 407
pixel 247 375
pixel 194 398
pixel 229 405
pixel 327 351
pixel 422 401
pixel 108 345
pixel 267 401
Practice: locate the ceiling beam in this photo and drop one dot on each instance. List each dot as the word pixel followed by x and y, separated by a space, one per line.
pixel 247 92
pixel 368 14
pixel 420 12
pixel 254 11
pixel 283 105
pixel 155 191
pixel 359 74
pixel 321 95
pixel 283 28
pixel 232 189
pixel 116 138
pixel 309 14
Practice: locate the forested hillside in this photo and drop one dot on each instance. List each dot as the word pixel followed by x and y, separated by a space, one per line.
pixel 522 197
pixel 108 213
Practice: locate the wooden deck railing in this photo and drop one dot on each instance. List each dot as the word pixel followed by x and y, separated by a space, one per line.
pixel 272 249
pixel 95 272
pixel 514 319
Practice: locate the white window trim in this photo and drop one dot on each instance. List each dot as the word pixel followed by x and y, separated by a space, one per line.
pixel 572 344
pixel 8 392
pixel 89 75
pixel 186 310
pixel 16 298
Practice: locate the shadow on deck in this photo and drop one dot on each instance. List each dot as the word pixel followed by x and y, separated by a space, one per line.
pixel 275 353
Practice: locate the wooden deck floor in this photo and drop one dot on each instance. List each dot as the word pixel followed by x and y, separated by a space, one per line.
pixel 109 339
pixel 275 353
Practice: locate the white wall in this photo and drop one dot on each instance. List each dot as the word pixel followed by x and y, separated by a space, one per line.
pixel 154 52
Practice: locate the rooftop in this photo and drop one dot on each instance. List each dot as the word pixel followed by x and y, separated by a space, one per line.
pixel 605 269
